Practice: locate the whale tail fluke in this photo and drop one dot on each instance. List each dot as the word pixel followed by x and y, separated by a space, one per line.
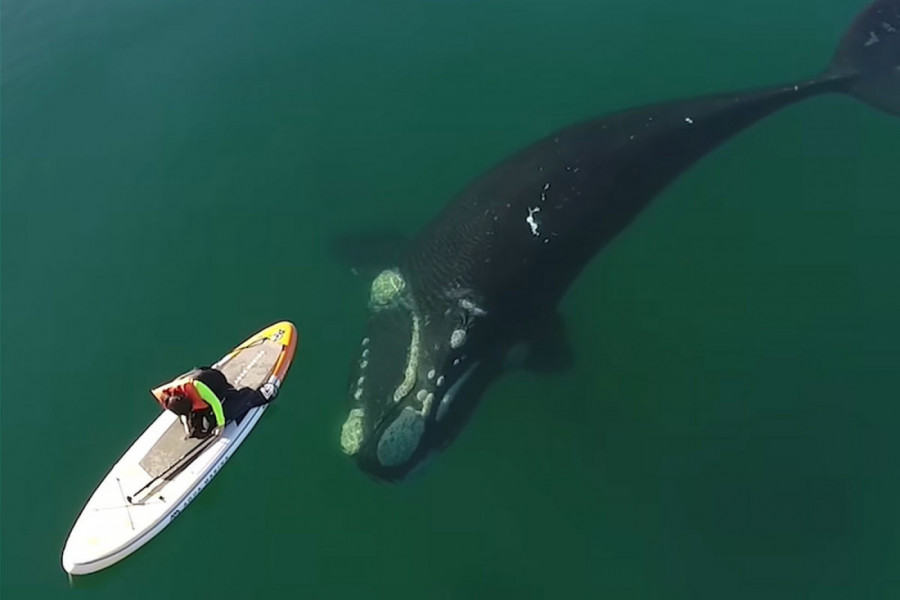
pixel 868 57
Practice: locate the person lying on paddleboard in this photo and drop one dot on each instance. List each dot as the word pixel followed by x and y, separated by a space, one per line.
pixel 205 401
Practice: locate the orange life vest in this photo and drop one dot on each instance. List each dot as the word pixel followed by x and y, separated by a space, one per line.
pixel 198 404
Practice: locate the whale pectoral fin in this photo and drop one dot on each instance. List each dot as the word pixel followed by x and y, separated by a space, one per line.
pixel 370 252
pixel 549 350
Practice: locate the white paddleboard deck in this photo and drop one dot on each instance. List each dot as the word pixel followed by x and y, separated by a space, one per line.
pixel 110 527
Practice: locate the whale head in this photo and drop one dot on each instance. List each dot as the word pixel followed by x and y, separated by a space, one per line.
pixel 416 378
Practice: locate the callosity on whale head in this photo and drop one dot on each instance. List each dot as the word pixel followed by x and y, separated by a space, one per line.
pixel 411 387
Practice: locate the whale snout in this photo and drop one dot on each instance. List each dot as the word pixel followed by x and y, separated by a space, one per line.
pixel 386 437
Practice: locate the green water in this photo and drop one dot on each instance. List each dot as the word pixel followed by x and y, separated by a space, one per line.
pixel 173 172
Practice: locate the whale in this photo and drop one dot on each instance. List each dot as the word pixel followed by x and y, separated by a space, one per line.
pixel 483 279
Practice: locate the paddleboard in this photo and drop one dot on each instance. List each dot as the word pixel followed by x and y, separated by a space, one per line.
pixel 162 472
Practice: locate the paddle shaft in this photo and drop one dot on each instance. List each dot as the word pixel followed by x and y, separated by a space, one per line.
pixel 195 450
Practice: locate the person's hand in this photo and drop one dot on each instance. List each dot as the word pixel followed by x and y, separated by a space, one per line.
pixel 185 423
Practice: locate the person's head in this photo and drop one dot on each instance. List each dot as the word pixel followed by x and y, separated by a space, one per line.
pixel 179 404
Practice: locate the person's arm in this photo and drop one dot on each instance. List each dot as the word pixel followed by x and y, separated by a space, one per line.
pixel 210 398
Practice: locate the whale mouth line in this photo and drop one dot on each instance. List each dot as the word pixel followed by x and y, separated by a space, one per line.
pixel 412 359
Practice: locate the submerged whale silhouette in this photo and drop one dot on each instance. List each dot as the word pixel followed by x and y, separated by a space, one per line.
pixel 486 273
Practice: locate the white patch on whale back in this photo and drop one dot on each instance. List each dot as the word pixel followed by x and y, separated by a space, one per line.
pixel 440 381
pixel 352 431
pixel 873 39
pixel 401 438
pixel 472 308
pixel 457 338
pixel 531 222
pixel 431 374
pixel 420 395
pixel 449 396
pixel 689 120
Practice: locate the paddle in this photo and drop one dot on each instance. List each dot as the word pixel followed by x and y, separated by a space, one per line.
pixel 171 469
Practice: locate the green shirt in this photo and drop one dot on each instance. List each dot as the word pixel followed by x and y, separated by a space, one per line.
pixel 210 398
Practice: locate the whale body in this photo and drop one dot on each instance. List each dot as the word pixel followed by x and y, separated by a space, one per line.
pixel 486 274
